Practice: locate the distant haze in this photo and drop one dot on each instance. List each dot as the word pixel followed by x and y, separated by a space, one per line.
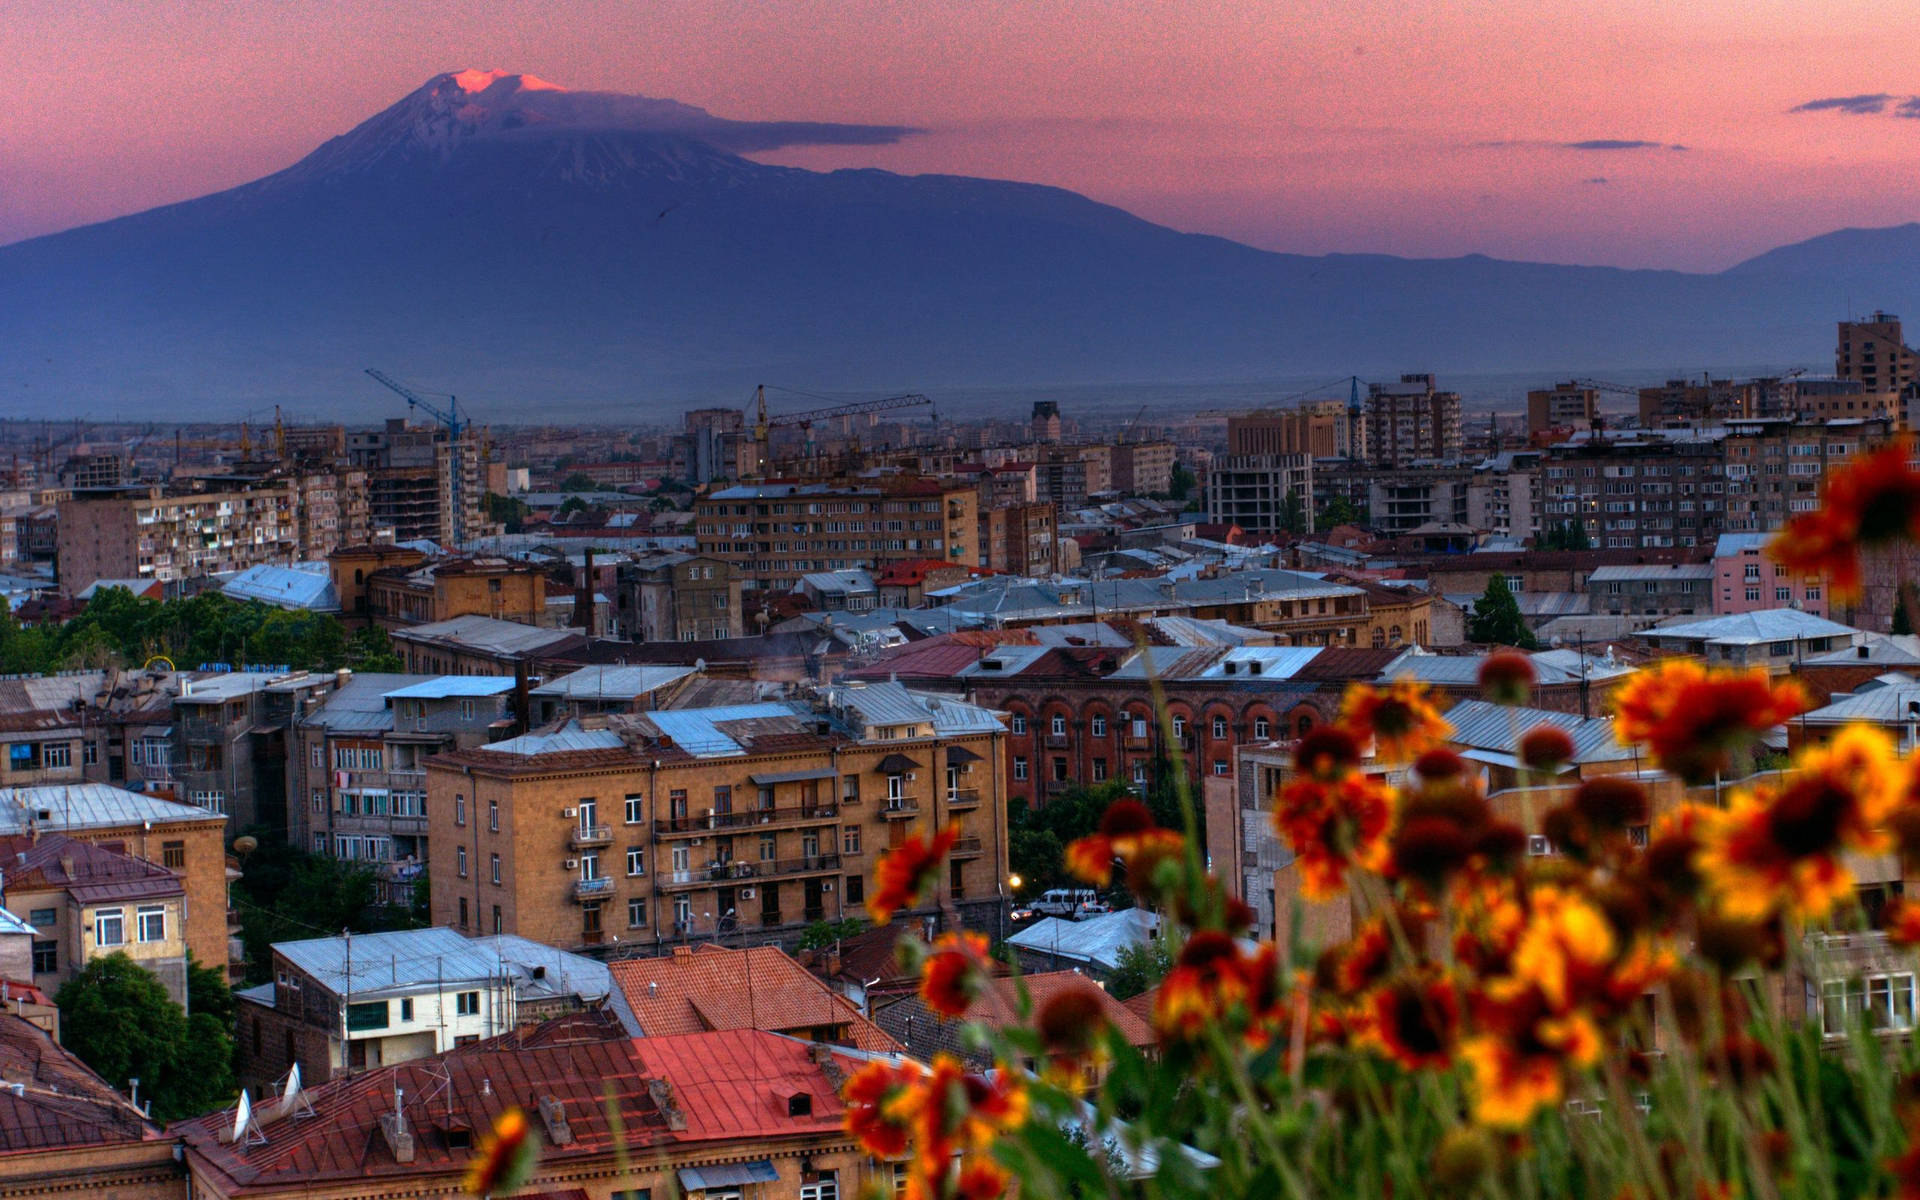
pixel 549 254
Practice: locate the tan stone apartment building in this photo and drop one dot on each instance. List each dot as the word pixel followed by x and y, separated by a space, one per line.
pixel 773 533
pixel 749 821
pixel 144 532
pixel 87 900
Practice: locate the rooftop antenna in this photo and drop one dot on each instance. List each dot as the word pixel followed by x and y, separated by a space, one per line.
pixel 294 1101
pixel 246 1127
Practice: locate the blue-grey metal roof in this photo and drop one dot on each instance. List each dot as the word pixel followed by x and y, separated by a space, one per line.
pixel 1641 572
pixel 1886 701
pixel 448 687
pixel 486 634
pixel 1274 662
pixel 1098 939
pixel 305 586
pixel 541 970
pixel 1481 725
pixel 1881 649
pixel 360 704
pixel 568 737
pixel 406 960
pixel 1751 628
pixel 697 730
pixel 893 704
pixel 88 806
pixel 1729 544
pixel 611 683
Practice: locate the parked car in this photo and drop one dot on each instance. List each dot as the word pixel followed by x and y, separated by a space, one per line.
pixel 1064 902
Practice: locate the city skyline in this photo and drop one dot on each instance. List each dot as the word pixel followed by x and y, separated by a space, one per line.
pixel 1465 132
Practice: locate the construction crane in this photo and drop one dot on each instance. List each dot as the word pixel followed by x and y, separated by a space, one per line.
pixel 763 424
pixel 456 425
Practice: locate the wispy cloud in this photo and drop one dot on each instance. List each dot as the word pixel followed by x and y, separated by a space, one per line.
pixel 1620 144
pixel 1861 105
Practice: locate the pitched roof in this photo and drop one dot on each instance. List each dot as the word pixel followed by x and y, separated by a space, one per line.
pixel 89 806
pixel 999 1004
pixel 88 871
pixel 1749 628
pixel 736 1083
pixel 62 1102
pixel 1096 940
pixel 714 987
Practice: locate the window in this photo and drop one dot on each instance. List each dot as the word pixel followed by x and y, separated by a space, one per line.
pixel 636 809
pixel 459 809
pixel 1097 726
pixel 850 789
pixel 1099 770
pixel 856 886
pixel 497 927
pixel 1783 594
pixel 1262 729
pixel 494 867
pixel 150 923
pixel 173 855
pixel 850 840
pixel 636 860
pixel 57 755
pixel 1885 1001
pixel 683 912
pixel 460 861
pixel 767 847
pixel 636 914
pixel 466 710
pixel 1019 767
pixel 89 754
pixel 406 1008
pixel 1139 771
pixel 46 957
pixel 1219 728
pixel 467 1004
pixel 1058 727
pixel 589 866
pixel 463 912
pixel 43 918
pixel 110 927
pixel 682 858
pixel 1059 769
pixel 371 1015
pixel 493 816
pixel 1219 766
pixel 1179 728
pixel 1139 727
pixel 211 801
pixel 827 1188
pixel 1019 724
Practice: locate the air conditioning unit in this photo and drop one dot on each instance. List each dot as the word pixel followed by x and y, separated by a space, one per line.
pixel 746 893
pixel 826 885
pixel 912 775
pixel 569 812
pixel 571 864
pixel 696 841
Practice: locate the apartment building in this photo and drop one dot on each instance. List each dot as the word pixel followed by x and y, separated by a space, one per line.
pixel 182 839
pixel 357 770
pixel 1775 638
pixel 1020 539
pixel 1312 431
pixel 674 597
pixel 1746 580
pixel 1874 352
pixel 1503 497
pixel 413 474
pixel 773 533
pixel 1841 399
pixel 229 743
pixel 353 565
pixel 1142 468
pixel 1402 500
pixel 748 821
pixel 1570 405
pixel 1653 590
pixel 1261 492
pixel 1774 467
pixel 1681 403
pixel 503 588
pixel 85 900
pixel 1412 419
pixel 1068 475
pixel 1645 492
pixel 145 532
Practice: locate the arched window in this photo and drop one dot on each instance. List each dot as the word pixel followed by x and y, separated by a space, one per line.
pixel 1393 636
pixel 1379 637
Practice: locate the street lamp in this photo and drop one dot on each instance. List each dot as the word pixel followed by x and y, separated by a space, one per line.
pixel 1014 882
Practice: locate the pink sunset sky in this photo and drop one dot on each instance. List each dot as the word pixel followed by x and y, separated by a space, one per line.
pixel 1632 132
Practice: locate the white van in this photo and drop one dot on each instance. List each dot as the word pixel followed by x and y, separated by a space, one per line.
pixel 1065 902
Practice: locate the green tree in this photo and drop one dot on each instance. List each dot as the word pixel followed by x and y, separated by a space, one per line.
pixel 370 649
pixel 1340 511
pixel 579 481
pixel 1496 618
pixel 1293 513
pixel 1140 967
pixel 1182 482
pixel 508 511
pixel 1568 535
pixel 117 1017
pixel 288 894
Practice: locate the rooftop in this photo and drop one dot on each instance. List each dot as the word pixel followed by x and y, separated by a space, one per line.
pixel 1751 628
pixel 487 635
pixel 62 1103
pixel 613 682
pixel 716 988
pixel 90 806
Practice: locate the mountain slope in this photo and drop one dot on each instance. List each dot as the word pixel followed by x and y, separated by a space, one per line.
pixel 603 255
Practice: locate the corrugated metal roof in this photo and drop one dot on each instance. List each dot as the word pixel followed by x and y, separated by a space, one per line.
pixel 446 687
pixel 1652 571
pixel 486 634
pixel 360 706
pixel 568 737
pixel 1880 703
pixel 398 960
pixel 1483 726
pixel 612 683
pixel 1097 939
pixel 697 730
pixel 1751 628
pixel 89 806
pixel 306 586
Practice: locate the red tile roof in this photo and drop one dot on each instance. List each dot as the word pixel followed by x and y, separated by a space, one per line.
pixel 88 871
pixel 998 1006
pixel 63 1102
pixel 736 1083
pixel 716 988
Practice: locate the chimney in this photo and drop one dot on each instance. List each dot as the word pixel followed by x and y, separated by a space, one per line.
pixel 522 700
pixel 682 954
pixel 554 1117
pixel 393 1127
pixel 342 677
pixel 583 597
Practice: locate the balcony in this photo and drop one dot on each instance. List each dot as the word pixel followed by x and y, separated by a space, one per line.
pixel 750 818
pixel 593 889
pixel 744 872
pixel 1057 787
pixel 898 808
pixel 810 915
pixel 967 847
pixel 963 798
pixel 1057 741
pixel 582 837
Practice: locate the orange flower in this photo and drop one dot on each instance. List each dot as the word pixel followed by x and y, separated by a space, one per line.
pixel 1872 501
pixel 1213 982
pixel 953 975
pixel 963 1111
pixel 1508 1086
pixel 1415 1019
pixel 881 1098
pixel 1693 721
pixel 1401 719
pixel 1507 677
pixel 1903 923
pixel 905 873
pixel 504 1157
pixel 1779 847
pixel 1333 828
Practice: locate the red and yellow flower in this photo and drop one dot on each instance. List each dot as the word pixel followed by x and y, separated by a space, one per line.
pixel 1694 721
pixel 907 872
pixel 1333 828
pixel 1127 832
pixel 953 976
pixel 1872 501
pixel 504 1157
pixel 1400 718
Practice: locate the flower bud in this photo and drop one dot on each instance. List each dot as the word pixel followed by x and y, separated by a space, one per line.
pixel 1507 678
